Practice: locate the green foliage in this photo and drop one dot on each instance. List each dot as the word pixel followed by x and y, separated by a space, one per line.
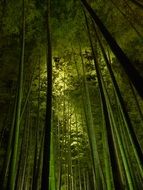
pixel 12 18
pixel 72 149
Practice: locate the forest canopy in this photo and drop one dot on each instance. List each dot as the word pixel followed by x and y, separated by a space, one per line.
pixel 71 96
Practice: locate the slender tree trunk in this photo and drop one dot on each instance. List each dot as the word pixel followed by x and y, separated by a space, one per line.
pixel 23 153
pixel 47 139
pixel 13 168
pixel 59 174
pixel 52 165
pixel 36 157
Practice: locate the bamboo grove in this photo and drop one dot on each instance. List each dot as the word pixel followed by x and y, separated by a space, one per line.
pixel 71 95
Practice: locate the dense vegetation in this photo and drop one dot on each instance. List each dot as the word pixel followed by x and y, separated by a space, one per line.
pixel 71 95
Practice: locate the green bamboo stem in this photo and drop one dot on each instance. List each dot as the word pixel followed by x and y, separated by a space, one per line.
pixel 13 168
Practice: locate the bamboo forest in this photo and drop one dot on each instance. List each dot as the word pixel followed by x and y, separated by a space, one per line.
pixel 71 94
